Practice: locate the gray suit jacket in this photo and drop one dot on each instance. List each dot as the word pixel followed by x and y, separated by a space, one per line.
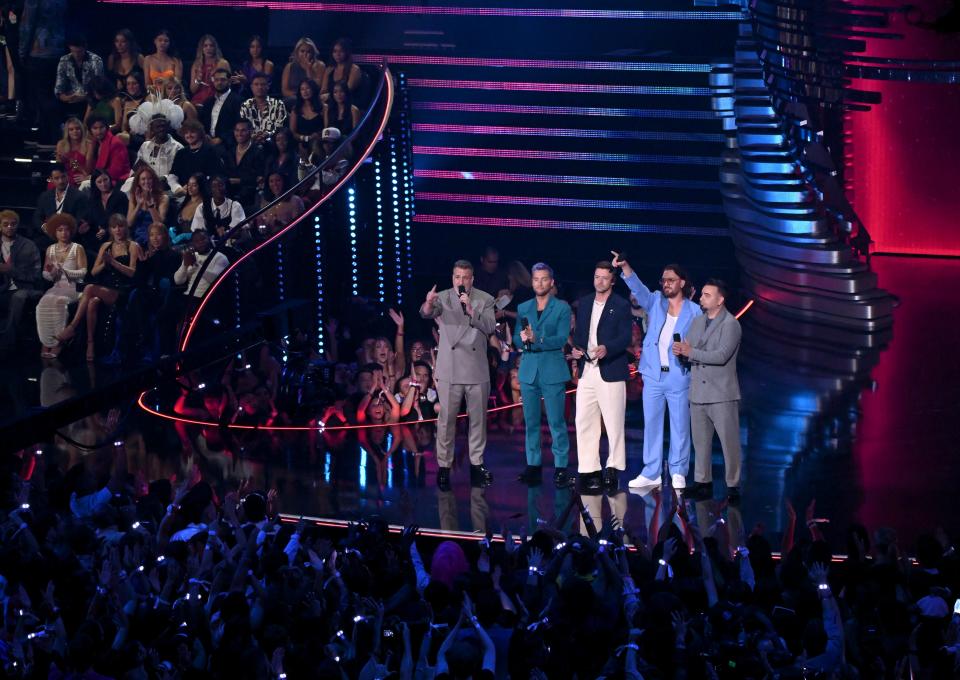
pixel 713 359
pixel 462 355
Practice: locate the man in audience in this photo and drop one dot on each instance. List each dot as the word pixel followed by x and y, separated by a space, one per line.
pixel 193 259
pixel 41 45
pixel 111 153
pixel 490 278
pixel 62 198
pixel 244 165
pixel 74 73
pixel 221 113
pixel 158 152
pixel 196 157
pixel 20 279
pixel 266 114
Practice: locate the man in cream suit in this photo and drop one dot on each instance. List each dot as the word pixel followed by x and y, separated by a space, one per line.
pixel 711 346
pixel 465 316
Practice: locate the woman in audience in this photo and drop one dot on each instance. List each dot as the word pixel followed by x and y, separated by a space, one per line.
pixel 173 90
pixel 75 151
pixel 127 102
pixel 306 117
pixel 284 212
pixel 161 64
pixel 114 270
pixel 195 189
pixel 420 397
pixel 256 63
pixel 102 102
pixel 304 65
pixel 153 284
pixel 342 70
pixel 378 406
pixel 148 203
pixel 65 265
pixel 284 158
pixel 125 58
pixel 105 200
pixel 340 112
pixel 209 58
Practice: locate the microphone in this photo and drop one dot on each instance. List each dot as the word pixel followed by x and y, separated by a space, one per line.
pixel 524 325
pixel 460 291
pixel 680 359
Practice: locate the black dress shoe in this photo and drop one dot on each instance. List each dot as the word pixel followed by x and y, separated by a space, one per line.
pixel 562 478
pixel 531 475
pixel 611 479
pixel 590 483
pixel 480 475
pixel 443 478
pixel 733 495
pixel 700 491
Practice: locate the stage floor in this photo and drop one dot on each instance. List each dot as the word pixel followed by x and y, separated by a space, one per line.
pixel 870 433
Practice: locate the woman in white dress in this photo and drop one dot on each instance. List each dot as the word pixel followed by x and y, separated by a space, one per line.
pixel 65 266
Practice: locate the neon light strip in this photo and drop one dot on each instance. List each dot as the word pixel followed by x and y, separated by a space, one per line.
pixel 426 173
pixel 565 110
pixel 560 224
pixel 564 155
pixel 569 202
pixel 589 88
pixel 343 180
pixel 569 132
pixel 533 63
pixel 445 11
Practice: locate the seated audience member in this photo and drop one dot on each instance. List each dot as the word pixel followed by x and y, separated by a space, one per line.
pixel 148 204
pixel 197 157
pixel 306 116
pixel 283 213
pixel 114 270
pixel 161 64
pixel 124 59
pixel 20 279
pixel 222 111
pixel 304 65
pixel 378 405
pixel 244 165
pixel 342 70
pixel 194 189
pixel 128 101
pixel 102 101
pixel 192 260
pixel 105 199
pixel 283 157
pixel 75 71
pixel 150 295
pixel 219 214
pixel 159 150
pixel 266 114
pixel 173 90
pixel 420 397
pixel 340 112
pixel 208 59
pixel 65 266
pixel 328 146
pixel 75 151
pixel 110 152
pixel 255 63
pixel 63 197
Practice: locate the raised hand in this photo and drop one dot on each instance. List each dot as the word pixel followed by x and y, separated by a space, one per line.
pixel 616 262
pixel 432 296
pixel 397 317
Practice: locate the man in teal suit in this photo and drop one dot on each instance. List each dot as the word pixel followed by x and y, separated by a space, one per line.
pixel 543 325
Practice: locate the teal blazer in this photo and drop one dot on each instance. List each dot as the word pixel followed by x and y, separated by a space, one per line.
pixel 544 362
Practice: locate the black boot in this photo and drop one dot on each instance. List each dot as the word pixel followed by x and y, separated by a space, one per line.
pixel 480 475
pixel 562 478
pixel 443 478
pixel 532 475
pixel 700 491
pixel 611 479
pixel 590 483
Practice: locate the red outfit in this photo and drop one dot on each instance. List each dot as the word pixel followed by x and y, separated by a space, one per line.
pixel 112 156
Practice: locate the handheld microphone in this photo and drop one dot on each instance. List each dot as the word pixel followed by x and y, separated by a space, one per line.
pixel 460 291
pixel 676 338
pixel 525 325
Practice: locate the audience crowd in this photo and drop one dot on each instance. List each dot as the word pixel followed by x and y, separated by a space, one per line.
pixel 152 151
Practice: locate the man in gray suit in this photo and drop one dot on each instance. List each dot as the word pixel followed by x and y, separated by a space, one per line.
pixel 465 316
pixel 711 347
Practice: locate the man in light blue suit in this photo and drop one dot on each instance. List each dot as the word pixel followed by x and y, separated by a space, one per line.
pixel 543 325
pixel 666 380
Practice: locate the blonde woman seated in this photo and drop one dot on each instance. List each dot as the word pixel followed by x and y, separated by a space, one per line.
pixel 208 59
pixel 304 65
pixel 114 270
pixel 66 265
pixel 75 151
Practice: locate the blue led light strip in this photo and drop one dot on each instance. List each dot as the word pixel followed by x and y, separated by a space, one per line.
pixel 352 220
pixel 318 239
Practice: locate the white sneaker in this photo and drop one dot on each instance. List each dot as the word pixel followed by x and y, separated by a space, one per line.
pixel 641 482
pixel 679 483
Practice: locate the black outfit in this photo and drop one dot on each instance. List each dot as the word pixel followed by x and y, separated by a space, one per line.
pixel 25 275
pixel 248 170
pixel 74 203
pixel 490 283
pixel 205 160
pixel 229 115
pixel 614 332
pixel 153 285
pixel 288 168
pixel 307 127
pixel 97 216
pixel 345 124
pixel 111 278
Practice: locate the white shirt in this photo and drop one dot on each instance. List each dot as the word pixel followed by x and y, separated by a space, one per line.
pixel 7 246
pixel 665 341
pixel 592 344
pixel 228 207
pixel 187 274
pixel 215 112
pixel 160 156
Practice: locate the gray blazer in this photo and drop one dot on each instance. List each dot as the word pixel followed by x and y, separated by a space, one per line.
pixel 713 359
pixel 462 355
